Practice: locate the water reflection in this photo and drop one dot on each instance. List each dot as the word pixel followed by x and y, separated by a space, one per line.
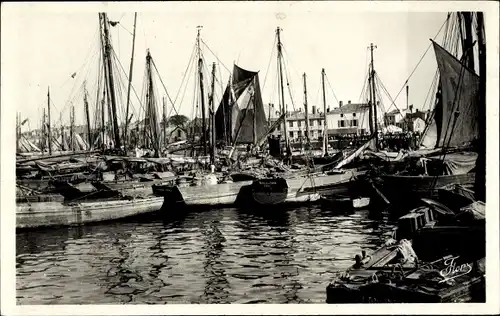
pixel 216 285
pixel 217 256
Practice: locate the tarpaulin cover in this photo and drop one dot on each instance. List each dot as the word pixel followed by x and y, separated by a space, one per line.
pixel 458 163
pixel 240 105
pixel 477 209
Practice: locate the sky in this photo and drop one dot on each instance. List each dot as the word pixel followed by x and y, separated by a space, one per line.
pixel 50 43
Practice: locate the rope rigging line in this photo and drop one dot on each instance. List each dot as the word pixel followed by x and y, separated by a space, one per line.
pixel 431 88
pixel 269 63
pixel 121 25
pixel 287 75
pixel 328 81
pixel 88 62
pixel 380 100
pixel 132 86
pixel 380 84
pixel 191 65
pixel 164 87
pixel 86 57
pixel 421 58
pixel 186 71
pixel 290 60
pixel 220 83
pixel 203 42
pixel 363 90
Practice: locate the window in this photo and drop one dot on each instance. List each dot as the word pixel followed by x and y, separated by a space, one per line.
pixel 311 122
pixel 320 122
pixel 290 123
pixel 354 123
pixel 341 123
pixel 299 133
pixel 341 114
pixel 299 123
pixel 291 134
pixel 353 114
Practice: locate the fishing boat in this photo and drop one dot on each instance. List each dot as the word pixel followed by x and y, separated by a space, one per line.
pixel 437 253
pixel 436 256
pixel 453 130
pixel 46 214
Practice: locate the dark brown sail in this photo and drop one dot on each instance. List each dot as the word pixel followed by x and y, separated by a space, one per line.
pixel 457 111
pixel 241 110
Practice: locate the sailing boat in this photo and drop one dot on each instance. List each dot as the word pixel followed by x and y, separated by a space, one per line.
pixel 447 155
pixel 305 186
pixel 455 124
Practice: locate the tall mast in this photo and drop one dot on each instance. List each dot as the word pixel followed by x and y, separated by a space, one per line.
pixel 202 94
pixel 43 132
pixel 269 116
pixel 254 122
pixel 280 73
pixel 374 98
pixel 164 119
pixel 212 112
pixel 125 139
pixel 62 131
pixel 111 90
pixel 151 121
pixel 103 122
pixel 87 114
pixel 72 128
pixel 370 108
pixel 306 110
pixel 325 128
pixel 468 52
pixel 48 124
pixel 18 121
pixel 480 189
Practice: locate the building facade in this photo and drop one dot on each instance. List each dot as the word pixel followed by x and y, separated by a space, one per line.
pixel 348 119
pixel 296 125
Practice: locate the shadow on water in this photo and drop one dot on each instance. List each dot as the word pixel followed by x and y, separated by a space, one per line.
pixel 269 239
pixel 216 283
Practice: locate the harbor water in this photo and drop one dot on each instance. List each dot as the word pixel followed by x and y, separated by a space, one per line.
pixel 217 256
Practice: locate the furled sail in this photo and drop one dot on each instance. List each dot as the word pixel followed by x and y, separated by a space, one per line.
pixel 240 117
pixel 456 113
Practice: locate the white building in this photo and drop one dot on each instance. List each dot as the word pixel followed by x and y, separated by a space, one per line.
pixel 296 124
pixel 351 118
pixel 395 117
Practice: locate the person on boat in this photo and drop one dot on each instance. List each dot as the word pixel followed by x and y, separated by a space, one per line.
pixel 358 262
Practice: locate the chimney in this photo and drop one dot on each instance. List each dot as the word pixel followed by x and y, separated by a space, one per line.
pixel 340 104
pixel 349 102
pixel 314 109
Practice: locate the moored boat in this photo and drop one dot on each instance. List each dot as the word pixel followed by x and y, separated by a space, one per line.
pixel 45 214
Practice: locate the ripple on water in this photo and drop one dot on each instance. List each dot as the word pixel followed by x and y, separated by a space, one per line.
pixel 219 256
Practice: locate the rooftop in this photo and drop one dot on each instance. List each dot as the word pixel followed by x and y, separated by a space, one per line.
pixel 302 116
pixel 350 108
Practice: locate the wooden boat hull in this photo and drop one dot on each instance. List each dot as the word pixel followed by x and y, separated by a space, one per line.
pixel 276 192
pixel 408 190
pixel 44 214
pixel 220 195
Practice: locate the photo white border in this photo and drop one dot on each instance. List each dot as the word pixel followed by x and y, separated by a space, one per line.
pixel 7 167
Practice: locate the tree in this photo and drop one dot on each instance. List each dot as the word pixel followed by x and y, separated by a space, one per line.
pixel 177 120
